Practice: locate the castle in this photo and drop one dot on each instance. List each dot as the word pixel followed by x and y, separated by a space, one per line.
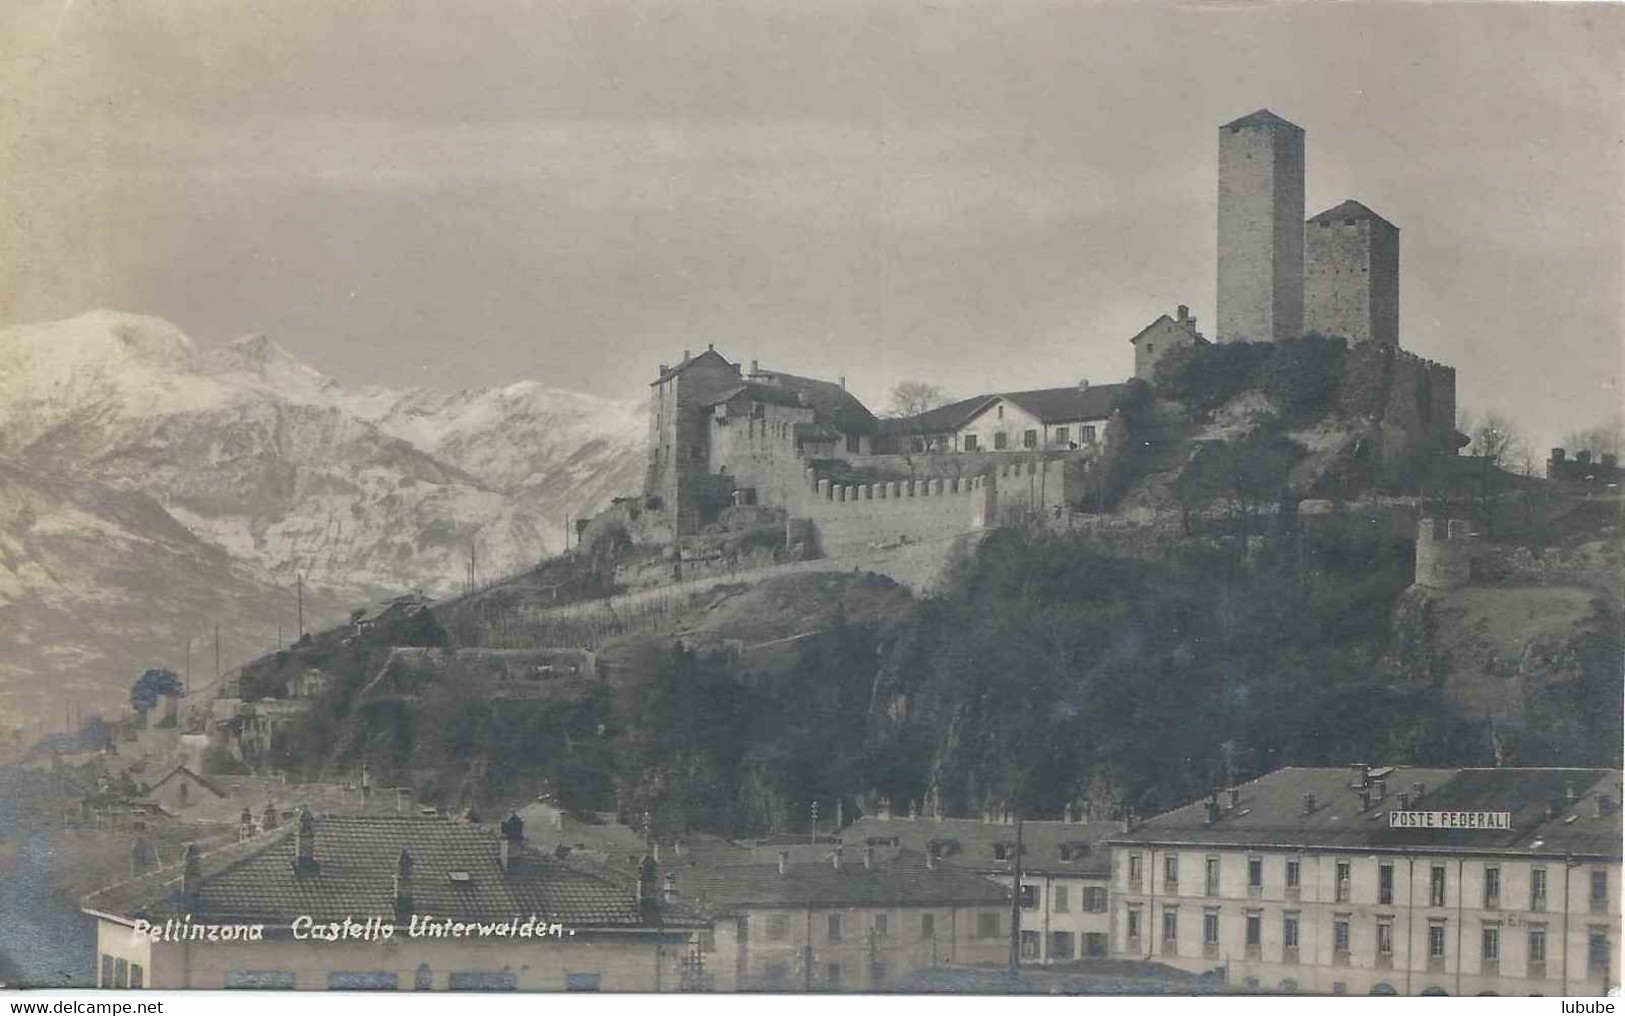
pixel 722 436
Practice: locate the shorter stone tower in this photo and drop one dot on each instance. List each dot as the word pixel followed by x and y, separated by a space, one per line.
pixel 1444 553
pixel 1351 275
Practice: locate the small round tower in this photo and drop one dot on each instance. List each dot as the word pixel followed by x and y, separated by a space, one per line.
pixel 1443 553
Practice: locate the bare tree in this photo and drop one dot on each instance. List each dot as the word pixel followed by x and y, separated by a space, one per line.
pixel 1498 443
pixel 909 400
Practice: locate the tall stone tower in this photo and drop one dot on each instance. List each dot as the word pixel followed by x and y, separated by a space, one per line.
pixel 1351 275
pixel 1260 229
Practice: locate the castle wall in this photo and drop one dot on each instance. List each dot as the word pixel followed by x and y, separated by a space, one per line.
pixel 679 451
pixel 1414 399
pixel 759 454
pixel 1260 263
pixel 853 519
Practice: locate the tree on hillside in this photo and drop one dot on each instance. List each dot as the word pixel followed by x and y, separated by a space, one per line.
pixel 152 686
pixel 1497 441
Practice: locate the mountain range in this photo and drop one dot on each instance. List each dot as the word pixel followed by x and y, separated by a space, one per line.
pixel 152 486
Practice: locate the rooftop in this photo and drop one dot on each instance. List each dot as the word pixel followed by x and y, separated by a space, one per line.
pixel 257 881
pixel 1351 209
pixel 987 846
pixel 831 403
pixel 1263 118
pixel 1554 812
pixel 903 879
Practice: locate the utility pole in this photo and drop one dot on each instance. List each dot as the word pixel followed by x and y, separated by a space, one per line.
pixel 1015 910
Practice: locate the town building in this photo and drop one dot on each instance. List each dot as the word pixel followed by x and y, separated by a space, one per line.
pixel 855 921
pixel 1161 337
pixel 1260 257
pixel 598 930
pixel 1388 880
pixel 1351 275
pixel 1065 878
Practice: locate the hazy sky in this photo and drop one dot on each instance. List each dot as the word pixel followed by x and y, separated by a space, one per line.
pixel 984 195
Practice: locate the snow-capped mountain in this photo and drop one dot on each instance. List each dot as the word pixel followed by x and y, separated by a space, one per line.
pixel 255 468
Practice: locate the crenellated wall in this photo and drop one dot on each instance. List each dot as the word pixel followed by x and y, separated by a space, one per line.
pixel 850 518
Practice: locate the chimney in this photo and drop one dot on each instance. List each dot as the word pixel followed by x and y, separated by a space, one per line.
pixel 884 808
pixel 668 889
pixel 646 882
pixel 366 783
pixel 1357 776
pixel 513 829
pixel 1583 456
pixel 1418 788
pixel 1404 800
pixel 305 842
pixel 755 368
pixel 401 795
pixel 835 858
pixel 1365 800
pixel 191 873
pixel 268 819
pixel 663 368
pixel 710 347
pixel 1212 809
pixel 868 857
pixel 1234 795
pixel 686 356
pixel 1379 788
pixel 504 854
pixel 1558 454
pixel 403 886
pixel 931 858
pixel 784 861
pixel 1184 314
pixel 1309 804
pixel 245 825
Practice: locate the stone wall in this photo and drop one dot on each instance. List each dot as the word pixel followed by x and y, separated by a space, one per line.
pixel 1351 280
pixel 1444 553
pixel 851 519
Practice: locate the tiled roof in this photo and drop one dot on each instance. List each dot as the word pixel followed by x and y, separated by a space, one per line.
pixel 901 880
pixel 1270 811
pixel 257 882
pixel 671 372
pixel 940 420
pixel 1170 322
pixel 760 393
pixel 1351 209
pixel 970 842
pixel 1263 118
pixel 1062 405
pixel 831 403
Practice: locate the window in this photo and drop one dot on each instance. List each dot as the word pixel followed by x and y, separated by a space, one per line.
pixel 121 968
pixel 1599 889
pixel 1150 347
pixel 970 442
pixel 1060 435
pixel 1255 934
pixel 854 444
pixel 1210 928
pixel 1492 944
pixel 1537 889
pixel 987 925
pixel 1029 439
pixel 1029 896
pixel 501 980
pixel 1031 945
pixel 137 976
pixel 1061 945
pixel 1170 926
pixel 1343 881
pixel 1087 433
pixel 1212 881
pixel 1133 932
pixel 1340 935
pixel 107 973
pixel 1385 938
pixel 1059 897
pixel 1436 941
pixel 1294 874
pixel 882 925
pixel 928 925
pixel 269 980
pixel 1492 887
pixel 1001 440
pixel 778 927
pixel 1094 899
pixel 1597 953
pixel 1289 931
pixel 1436 886
pixel 832 975
pixel 834 927
pixel 1385 884
pixel 1170 872
pixel 1134 869
pixel 1255 873
pixel 1537 946
pixel 1000 411
pixel 361 980
pixel 1096 944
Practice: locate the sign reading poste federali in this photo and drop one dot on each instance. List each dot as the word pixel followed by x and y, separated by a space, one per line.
pixel 1501 820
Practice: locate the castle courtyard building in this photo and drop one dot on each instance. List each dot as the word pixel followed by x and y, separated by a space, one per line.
pixel 1381 881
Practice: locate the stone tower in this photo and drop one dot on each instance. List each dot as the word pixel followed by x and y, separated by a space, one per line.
pixel 1351 275
pixel 1260 229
